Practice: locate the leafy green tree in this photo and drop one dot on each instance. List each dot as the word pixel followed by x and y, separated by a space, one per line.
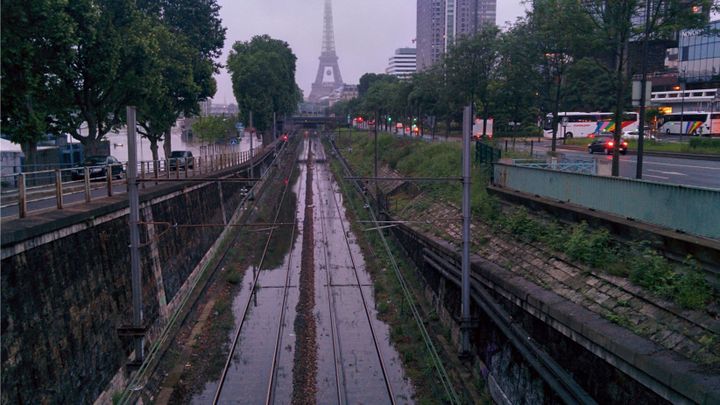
pixel 36 39
pixel 517 87
pixel 189 35
pixel 170 89
pixel 612 27
pixel 472 65
pixel 368 79
pixel 589 88
pixel 212 129
pixel 263 77
pixel 559 30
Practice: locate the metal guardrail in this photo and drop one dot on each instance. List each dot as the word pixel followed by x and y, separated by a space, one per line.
pixel 692 210
pixel 571 166
pixel 26 187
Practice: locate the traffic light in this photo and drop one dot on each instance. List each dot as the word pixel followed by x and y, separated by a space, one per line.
pixel 389 118
pixel 415 119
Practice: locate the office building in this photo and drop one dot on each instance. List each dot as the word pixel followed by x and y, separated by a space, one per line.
pixel 699 55
pixel 403 63
pixel 442 22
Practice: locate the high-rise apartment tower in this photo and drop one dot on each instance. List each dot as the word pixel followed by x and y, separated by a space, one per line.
pixel 442 22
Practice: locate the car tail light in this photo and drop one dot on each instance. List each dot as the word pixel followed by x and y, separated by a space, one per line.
pixel 624 144
pixel 610 144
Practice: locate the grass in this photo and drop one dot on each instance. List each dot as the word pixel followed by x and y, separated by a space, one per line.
pixel 390 302
pixel 682 283
pixel 694 145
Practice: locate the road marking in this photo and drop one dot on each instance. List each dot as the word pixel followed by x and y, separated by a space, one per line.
pixel 668 173
pixel 657 177
pixel 675 165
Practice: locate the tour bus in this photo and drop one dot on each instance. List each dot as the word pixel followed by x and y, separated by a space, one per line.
pixel 588 124
pixel 698 123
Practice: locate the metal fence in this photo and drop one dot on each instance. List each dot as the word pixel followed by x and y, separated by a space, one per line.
pixel 486 154
pixel 692 210
pixel 563 165
pixel 91 182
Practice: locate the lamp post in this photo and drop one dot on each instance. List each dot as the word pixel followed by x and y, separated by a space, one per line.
pixel 643 86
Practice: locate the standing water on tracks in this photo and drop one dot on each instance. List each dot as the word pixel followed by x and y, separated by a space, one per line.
pixel 355 362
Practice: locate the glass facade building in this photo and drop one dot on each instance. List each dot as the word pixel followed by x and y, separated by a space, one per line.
pixel 699 55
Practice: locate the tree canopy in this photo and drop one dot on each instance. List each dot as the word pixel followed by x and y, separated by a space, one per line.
pixel 263 78
pixel 79 63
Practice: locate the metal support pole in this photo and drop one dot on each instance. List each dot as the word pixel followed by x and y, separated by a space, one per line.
pixel 58 189
pixel 465 324
pixel 682 107
pixel 86 180
pixel 274 125
pixel 252 135
pixel 377 122
pixel 134 198
pixel 643 85
pixel 108 178
pixel 142 172
pixel 22 196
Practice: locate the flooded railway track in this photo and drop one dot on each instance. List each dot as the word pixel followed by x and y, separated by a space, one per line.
pixel 352 359
pixel 341 280
pixel 230 388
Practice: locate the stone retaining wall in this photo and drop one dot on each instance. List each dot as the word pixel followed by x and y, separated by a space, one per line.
pixel 66 288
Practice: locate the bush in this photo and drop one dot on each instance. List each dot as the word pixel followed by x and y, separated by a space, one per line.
pixel 650 270
pixel 590 247
pixel 711 143
pixel 688 288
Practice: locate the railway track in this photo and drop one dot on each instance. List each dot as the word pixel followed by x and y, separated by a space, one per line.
pixel 329 210
pixel 272 374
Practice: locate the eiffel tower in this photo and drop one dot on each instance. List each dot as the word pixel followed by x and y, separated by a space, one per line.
pixel 328 76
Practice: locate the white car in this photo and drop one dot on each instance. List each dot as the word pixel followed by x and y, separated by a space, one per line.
pixel 636 134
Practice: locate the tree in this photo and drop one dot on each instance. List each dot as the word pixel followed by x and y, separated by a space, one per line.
pixel 560 30
pixel 472 65
pixel 36 41
pixel 517 87
pixel 368 79
pixel 612 28
pixel 196 40
pixel 263 77
pixel 212 129
pixel 170 89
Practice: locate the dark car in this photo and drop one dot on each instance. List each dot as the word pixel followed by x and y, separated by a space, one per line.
pixel 181 159
pixel 606 144
pixel 97 166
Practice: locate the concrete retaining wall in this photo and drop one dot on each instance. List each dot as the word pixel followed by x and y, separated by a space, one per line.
pixel 688 209
pixel 66 288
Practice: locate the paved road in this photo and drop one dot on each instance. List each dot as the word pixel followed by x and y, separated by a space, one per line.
pixel 689 172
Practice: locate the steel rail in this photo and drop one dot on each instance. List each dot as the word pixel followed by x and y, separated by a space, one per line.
pixel 429 345
pixel 278 338
pixel 365 305
pixel 341 395
pixel 133 386
pixel 236 337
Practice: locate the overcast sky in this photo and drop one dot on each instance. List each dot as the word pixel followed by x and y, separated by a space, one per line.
pixel 367 33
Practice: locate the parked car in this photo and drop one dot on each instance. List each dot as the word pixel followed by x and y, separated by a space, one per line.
pixel 606 144
pixel 98 167
pixel 182 159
